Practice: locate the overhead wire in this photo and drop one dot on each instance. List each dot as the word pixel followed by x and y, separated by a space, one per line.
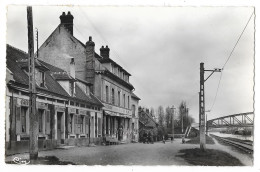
pixel 228 60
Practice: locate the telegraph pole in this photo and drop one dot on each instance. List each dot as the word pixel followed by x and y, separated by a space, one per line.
pixel 33 143
pixel 202 104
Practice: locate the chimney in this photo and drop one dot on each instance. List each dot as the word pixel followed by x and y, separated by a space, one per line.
pixel 67 21
pixel 72 68
pixel 90 63
pixel 104 51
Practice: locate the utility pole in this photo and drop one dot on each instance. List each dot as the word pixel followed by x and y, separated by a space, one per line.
pixel 172 122
pixel 202 104
pixel 33 143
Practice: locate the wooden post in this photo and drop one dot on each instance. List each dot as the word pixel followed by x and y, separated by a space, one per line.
pixel 33 144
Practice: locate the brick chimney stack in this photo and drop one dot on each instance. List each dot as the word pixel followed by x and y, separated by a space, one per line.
pixel 67 21
pixel 72 68
pixel 90 63
pixel 104 51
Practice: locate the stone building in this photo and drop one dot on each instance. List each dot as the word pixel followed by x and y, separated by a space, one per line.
pixel 109 81
pixel 68 113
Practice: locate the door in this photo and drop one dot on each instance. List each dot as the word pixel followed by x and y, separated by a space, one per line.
pixel 59 115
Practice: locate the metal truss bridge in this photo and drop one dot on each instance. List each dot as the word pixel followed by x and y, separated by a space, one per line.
pixel 235 120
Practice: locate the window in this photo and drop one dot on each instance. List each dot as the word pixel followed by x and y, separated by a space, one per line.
pixel 40 120
pixel 118 98
pixel 23 118
pixel 96 127
pixel 124 99
pixel 113 96
pixel 70 123
pixel 87 90
pixel 107 94
pixel 39 77
pixel 112 68
pixel 71 88
pixel 80 123
pixel 128 102
pixel 133 110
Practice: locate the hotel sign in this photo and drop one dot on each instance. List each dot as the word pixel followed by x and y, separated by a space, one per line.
pixel 118 110
pixel 41 105
pixel 60 108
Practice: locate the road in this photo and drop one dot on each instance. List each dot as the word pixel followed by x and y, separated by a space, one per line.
pixel 124 154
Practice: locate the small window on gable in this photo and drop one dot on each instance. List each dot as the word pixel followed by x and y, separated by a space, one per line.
pixel 87 90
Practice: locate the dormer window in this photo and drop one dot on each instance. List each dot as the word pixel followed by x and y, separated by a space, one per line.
pixel 40 78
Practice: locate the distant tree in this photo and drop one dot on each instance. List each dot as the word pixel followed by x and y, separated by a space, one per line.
pixel 168 119
pixel 184 118
pixel 152 112
pixel 161 122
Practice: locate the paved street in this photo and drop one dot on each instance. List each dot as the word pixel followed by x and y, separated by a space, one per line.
pixel 129 154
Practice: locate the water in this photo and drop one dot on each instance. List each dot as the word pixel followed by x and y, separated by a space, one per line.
pixel 233 136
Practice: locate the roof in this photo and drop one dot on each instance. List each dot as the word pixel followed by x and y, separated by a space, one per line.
pixel 115 78
pixel 100 58
pixel 150 122
pixel 135 96
pixel 21 79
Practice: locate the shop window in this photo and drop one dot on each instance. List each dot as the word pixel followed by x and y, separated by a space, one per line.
pixel 23 118
pixel 40 120
pixel 80 123
pixel 70 123
pixel 96 128
pixel 99 127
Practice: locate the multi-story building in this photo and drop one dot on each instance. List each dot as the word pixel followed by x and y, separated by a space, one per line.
pixel 68 113
pixel 110 82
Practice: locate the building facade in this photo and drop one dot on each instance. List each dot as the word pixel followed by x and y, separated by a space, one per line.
pixel 68 113
pixel 109 81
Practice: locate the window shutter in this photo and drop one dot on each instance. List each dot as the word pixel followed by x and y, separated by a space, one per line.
pixel 47 123
pixel 18 119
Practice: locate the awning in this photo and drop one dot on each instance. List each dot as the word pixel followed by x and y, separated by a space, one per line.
pixel 117 114
pixel 111 113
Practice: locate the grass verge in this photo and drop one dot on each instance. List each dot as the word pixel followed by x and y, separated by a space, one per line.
pixel 209 157
pixel 196 140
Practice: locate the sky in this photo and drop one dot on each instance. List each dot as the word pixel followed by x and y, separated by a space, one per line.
pixel 162 48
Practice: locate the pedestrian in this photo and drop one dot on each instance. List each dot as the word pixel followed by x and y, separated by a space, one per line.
pixel 163 139
pixel 183 140
pixel 171 139
pixel 149 137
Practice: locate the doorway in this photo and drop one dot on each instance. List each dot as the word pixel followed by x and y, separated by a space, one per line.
pixel 59 128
